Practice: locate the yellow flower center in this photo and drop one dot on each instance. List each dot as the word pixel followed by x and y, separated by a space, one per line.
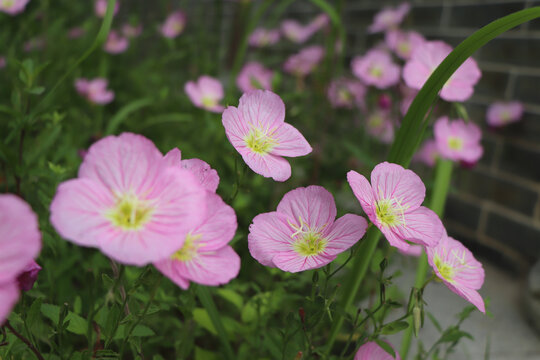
pixel 446 270
pixel 376 71
pixel 455 143
pixel 8 4
pixel 308 242
pixel 130 213
pixel 404 48
pixel 189 250
pixel 260 142
pixel 505 116
pixel 375 121
pixel 390 212
pixel 208 102
pixel 344 95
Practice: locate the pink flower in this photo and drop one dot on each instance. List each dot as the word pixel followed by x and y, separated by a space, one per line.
pixel 258 131
pixel 28 276
pixel 402 43
pixel 254 76
pixel 305 61
pixel 76 32
pixel 116 43
pixel 296 32
pixel 3 62
pixel 206 93
pixel 263 37
pixel 372 351
pixel 205 175
pixel 346 93
pixel 319 22
pixel 389 18
pixel 413 250
pixel 458 140
pixel 380 126
pixel 392 202
pixel 100 7
pixel 20 243
pixel 303 233
pixel 131 31
pixel 13 7
pixel 128 201
pixel 408 97
pixel 425 59
pixel 456 266
pixel 37 43
pixel 428 153
pixel 384 101
pixel 504 113
pixel 376 68
pixel 95 90
pixel 174 25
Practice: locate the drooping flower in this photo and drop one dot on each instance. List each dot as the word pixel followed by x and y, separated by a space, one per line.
pixel 28 276
pixel 392 202
pixel 13 7
pixel 254 76
pixel 389 18
pixel 372 351
pixel 504 113
pixel 258 131
pixel 380 125
pixel 20 243
pixel 456 266
pixel 116 43
pixel 428 153
pixel 303 233
pixel 458 140
pixel 424 60
pixel 94 90
pixel 346 93
pixel 261 37
pixel 376 68
pixel 131 31
pixel 402 43
pixel 100 7
pixel 206 93
pixel 302 63
pixel 174 25
pixel 128 202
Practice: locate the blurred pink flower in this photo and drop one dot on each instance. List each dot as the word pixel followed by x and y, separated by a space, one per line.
pixel 206 93
pixel 95 90
pixel 424 60
pixel 20 243
pixel 346 93
pixel 100 7
pixel 129 202
pixel 116 43
pixel 380 125
pixel 13 7
pixel 305 61
pixel 296 32
pixel 408 96
pixel 303 233
pixel 428 153
pixel 372 351
pixel 456 266
pixel 28 276
pixel 254 76
pixel 389 18
pixel 76 32
pixel 504 113
pixel 384 101
pixel 376 68
pixel 3 62
pixel 413 250
pixel 131 31
pixel 263 37
pixel 37 43
pixel 319 22
pixel 458 140
pixel 258 131
pixel 174 25
pixel 402 43
pixel 392 202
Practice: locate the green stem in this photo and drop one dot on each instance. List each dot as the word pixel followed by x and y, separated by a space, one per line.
pixel 443 175
pixel 206 299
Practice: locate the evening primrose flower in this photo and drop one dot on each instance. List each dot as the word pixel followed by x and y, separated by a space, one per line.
pixel 174 25
pixel 456 266
pixel 424 60
pixel 261 37
pixel 296 32
pixel 504 113
pixel 403 43
pixel 94 90
pixel 372 351
pixel 100 7
pixel 116 43
pixel 207 177
pixel 428 153
pixel 389 18
pixel 258 131
pixel 128 202
pixel 458 140
pixel 376 68
pixel 380 126
pixel 13 7
pixel 206 93
pixel 303 233
pixel 346 93
pixel 304 62
pixel 20 243
pixel 392 202
pixel 254 76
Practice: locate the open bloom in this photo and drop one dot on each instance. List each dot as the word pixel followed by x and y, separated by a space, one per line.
pixel 206 93
pixel 428 153
pixel 254 76
pixel 458 140
pixel 402 43
pixel 263 37
pixel 504 113
pixel 128 202
pixel 116 43
pixel 376 68
pixel 392 202
pixel 258 131
pixel 100 7
pixel 13 7
pixel 389 18
pixel 174 25
pixel 20 243
pixel 303 233
pixel 380 126
pixel 305 61
pixel 456 266
pixel 372 351
pixel 425 59
pixel 346 93
pixel 95 90
pixel 296 32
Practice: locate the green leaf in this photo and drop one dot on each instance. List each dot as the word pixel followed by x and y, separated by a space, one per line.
pixel 38 90
pixel 434 321
pixel 201 354
pixel 394 327
pixel 454 334
pixel 33 314
pixel 386 347
pixel 232 296
pixel 77 325
pixel 124 112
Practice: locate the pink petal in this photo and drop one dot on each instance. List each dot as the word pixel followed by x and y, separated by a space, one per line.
pixel 269 234
pixel 470 295
pixel 262 108
pixel 268 165
pixel 372 351
pixel 415 74
pixel 235 128
pixel 392 181
pixel 194 93
pixel 207 176
pixel 173 157
pixel 421 226
pixel 346 231
pixel 363 192
pixel 219 225
pixel 293 262
pixel 9 295
pixel 210 87
pixel 394 239
pixel 290 141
